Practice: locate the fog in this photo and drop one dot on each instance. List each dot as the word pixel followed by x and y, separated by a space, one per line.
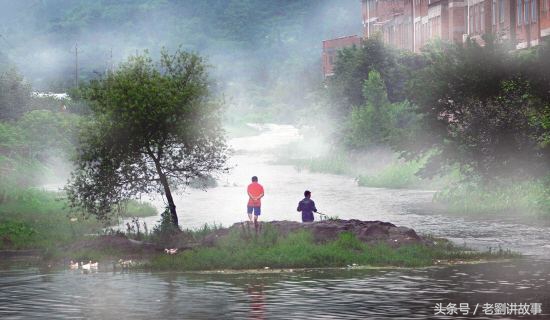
pixel 262 65
pixel 40 38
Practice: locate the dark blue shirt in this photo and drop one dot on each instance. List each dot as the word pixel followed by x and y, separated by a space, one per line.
pixel 307 206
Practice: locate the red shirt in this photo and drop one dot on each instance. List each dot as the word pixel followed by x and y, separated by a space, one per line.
pixel 255 190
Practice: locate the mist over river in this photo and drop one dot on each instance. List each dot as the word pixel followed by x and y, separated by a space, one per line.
pixel 347 293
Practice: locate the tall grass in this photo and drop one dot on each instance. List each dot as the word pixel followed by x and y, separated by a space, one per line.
pixel 298 250
pixel 140 209
pixel 531 198
pixel 371 169
pixel 399 174
pixel 39 219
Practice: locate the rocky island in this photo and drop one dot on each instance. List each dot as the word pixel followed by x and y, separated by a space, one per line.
pixel 279 245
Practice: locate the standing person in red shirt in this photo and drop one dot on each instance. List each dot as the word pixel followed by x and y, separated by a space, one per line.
pixel 255 194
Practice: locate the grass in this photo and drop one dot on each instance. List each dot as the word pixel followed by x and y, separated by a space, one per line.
pixel 527 198
pixel 135 208
pixel 298 250
pixel 36 219
pixel 397 175
pixel 39 219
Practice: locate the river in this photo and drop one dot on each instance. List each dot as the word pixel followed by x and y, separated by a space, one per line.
pixel 387 293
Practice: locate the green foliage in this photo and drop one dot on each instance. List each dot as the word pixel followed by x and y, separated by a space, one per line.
pixel 37 219
pixel 298 250
pixel 397 175
pixel 379 122
pixel 15 95
pixel 480 107
pixel 370 124
pixel 353 68
pixel 527 198
pixel 135 208
pixel 15 234
pixel 29 145
pixel 46 132
pixel 154 127
pixel 165 227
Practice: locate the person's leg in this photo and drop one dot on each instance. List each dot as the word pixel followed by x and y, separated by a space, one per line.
pixel 249 211
pixel 257 212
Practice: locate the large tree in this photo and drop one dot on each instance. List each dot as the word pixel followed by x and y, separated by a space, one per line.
pixel 154 127
pixel 482 110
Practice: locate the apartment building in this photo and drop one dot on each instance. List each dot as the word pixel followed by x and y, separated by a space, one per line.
pixel 411 24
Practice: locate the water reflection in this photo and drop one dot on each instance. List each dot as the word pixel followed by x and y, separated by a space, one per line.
pixel 257 301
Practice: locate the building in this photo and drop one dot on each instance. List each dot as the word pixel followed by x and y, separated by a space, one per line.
pixel 410 24
pixel 330 50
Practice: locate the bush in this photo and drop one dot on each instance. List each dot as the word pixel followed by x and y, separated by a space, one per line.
pixel 15 234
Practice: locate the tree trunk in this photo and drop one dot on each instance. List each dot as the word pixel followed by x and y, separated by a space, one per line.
pixel 167 192
pixel 172 206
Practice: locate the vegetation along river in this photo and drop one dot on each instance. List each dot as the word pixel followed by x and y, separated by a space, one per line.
pixel 352 293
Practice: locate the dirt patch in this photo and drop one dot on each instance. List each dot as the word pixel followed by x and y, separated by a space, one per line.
pixel 115 243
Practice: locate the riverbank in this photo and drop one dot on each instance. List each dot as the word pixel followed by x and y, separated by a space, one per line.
pixel 525 200
pixel 278 245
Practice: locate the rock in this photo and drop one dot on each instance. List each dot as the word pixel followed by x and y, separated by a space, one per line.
pixel 328 230
pixel 373 232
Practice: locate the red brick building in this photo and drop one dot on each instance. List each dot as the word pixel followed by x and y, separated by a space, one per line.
pixel 330 50
pixel 545 18
pixel 410 24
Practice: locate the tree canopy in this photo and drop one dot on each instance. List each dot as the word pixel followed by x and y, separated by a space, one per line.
pixel 482 108
pixel 15 94
pixel 154 128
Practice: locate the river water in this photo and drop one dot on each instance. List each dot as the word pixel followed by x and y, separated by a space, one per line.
pixel 524 285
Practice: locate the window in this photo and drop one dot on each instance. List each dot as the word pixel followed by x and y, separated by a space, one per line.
pixel 501 10
pixel 520 14
pixel 471 22
pixel 494 12
pixel 526 11
pixel 534 11
pixel 478 18
pixel 482 18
